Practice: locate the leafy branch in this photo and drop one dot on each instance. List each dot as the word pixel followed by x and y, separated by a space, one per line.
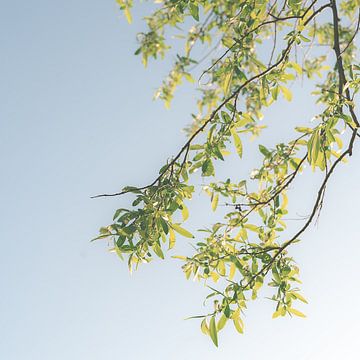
pixel 240 251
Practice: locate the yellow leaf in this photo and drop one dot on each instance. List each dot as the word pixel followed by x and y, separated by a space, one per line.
pixel 214 202
pixel 299 296
pixel 171 238
pixel 232 271
pixel 214 276
pixel 252 227
pixel 204 327
pixel 276 314
pixel 258 285
pixel 286 92
pixel 227 82
pixel 225 152
pixel 238 323
pixel 297 312
pixel 128 15
pixel 296 67
pixel 236 314
pixel 184 212
pixel 237 142
pixel 179 257
pixel 285 201
pixel 163 237
pixel 182 231
pixel 221 268
pixel 339 142
pixel 213 331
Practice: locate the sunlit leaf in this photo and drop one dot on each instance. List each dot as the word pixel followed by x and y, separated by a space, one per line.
pixel 182 231
pixel 286 92
pixel 297 312
pixel 221 323
pixel 172 239
pixel 237 142
pixel 214 202
pixel 158 251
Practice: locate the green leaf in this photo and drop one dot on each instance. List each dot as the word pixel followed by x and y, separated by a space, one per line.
pixel 118 251
pixel 275 92
pixel 304 130
pixel 240 74
pixel 104 236
pixel 303 38
pixel 158 251
pixel 276 274
pixel 221 323
pixel 194 11
pixel 237 142
pixel 227 311
pixel 226 117
pixel 196 147
pixel 314 147
pixel 264 150
pixel 182 231
pixel 213 331
pixel 164 225
pixel 218 153
pixel 207 168
pixel 117 213
pixel 236 262
pixel 189 78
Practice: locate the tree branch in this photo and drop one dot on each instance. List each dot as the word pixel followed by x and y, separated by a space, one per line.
pixel 284 55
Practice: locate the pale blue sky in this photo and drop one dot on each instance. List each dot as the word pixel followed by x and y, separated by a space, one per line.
pixel 77 119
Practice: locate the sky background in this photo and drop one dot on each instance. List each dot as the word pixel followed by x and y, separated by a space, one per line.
pixel 77 119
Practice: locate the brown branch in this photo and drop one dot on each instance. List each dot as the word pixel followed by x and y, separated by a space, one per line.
pixel 340 66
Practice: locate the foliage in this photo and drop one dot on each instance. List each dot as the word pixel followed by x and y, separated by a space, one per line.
pixel 245 75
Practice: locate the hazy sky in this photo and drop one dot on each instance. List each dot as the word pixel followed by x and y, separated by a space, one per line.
pixel 77 118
